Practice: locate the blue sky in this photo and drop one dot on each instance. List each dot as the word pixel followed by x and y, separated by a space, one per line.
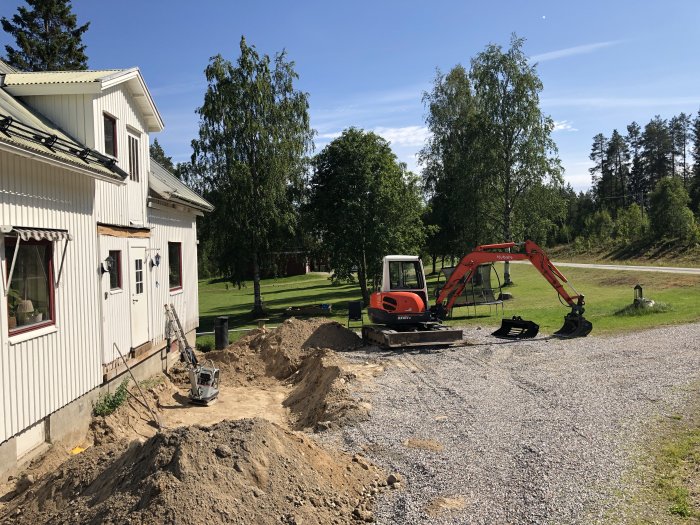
pixel 366 64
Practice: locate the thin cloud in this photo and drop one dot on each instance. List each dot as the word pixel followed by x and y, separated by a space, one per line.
pixel 572 51
pixel 563 125
pixel 618 102
pixel 407 136
pixel 399 137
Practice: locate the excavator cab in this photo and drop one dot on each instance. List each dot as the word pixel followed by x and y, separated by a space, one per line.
pixel 403 296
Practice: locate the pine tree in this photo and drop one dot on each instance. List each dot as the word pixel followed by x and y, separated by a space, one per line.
pixel 158 154
pixel 637 183
pixel 48 37
pixel 680 136
pixel 617 166
pixel 695 153
pixel 599 172
pixel 657 147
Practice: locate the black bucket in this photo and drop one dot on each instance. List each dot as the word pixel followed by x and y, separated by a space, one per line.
pixel 517 328
pixel 575 325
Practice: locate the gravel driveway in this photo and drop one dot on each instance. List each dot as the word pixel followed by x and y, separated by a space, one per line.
pixel 535 431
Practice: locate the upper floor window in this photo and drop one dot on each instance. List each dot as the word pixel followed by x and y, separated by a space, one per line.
pixel 133 158
pixel 30 299
pixel 110 124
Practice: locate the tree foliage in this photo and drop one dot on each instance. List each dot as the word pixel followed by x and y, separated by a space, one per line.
pixel 453 177
pixel 363 205
pixel 47 36
pixel 490 151
pixel 250 157
pixel 669 212
pixel 518 151
pixel 158 154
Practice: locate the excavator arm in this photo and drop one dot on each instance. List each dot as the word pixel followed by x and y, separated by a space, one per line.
pixel 574 323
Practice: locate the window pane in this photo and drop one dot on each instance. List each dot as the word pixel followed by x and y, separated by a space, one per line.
pixel 115 271
pixel 133 158
pixel 175 266
pixel 410 275
pixel 394 274
pixel 29 298
pixel 110 136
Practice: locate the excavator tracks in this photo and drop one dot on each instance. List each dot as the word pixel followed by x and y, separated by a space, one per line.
pixel 432 334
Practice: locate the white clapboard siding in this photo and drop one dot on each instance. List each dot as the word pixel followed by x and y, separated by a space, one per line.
pixel 115 204
pixel 43 374
pixel 72 113
pixel 173 226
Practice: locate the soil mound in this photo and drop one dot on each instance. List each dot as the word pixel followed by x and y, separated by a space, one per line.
pixel 248 471
pixel 321 398
pixel 279 353
pixel 284 349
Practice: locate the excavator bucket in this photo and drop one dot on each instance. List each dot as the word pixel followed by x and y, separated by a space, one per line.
pixel 517 328
pixel 575 325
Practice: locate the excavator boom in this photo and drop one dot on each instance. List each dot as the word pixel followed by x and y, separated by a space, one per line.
pixel 575 325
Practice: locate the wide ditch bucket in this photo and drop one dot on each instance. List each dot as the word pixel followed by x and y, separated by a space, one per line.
pixel 517 328
pixel 575 325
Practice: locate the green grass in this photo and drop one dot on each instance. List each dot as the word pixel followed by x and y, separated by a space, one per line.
pixel 663 485
pixel 607 292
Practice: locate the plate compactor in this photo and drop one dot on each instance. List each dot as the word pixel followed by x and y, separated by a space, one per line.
pixel 402 316
pixel 204 378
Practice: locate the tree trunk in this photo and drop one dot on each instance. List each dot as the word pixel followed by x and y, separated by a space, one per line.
pixel 258 306
pixel 507 238
pixel 434 262
pixel 362 277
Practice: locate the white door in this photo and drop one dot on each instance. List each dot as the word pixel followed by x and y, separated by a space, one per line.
pixel 139 298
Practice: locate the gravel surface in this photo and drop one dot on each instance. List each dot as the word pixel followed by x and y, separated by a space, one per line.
pixel 525 432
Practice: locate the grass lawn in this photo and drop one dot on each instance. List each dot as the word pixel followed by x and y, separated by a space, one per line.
pixel 606 291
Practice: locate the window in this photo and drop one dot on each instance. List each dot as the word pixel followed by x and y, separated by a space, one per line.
pixel 110 124
pixel 133 158
pixel 30 300
pixel 115 270
pixel 405 275
pixel 175 265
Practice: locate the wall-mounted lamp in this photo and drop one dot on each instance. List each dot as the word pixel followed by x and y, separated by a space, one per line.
pixel 106 265
pixel 155 261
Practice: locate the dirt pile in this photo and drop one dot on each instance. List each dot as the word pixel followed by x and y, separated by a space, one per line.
pixel 248 471
pixel 284 349
pixel 278 353
pixel 321 398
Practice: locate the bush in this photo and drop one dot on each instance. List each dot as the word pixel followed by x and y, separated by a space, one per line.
pixel 669 212
pixel 631 224
pixel 107 403
pixel 600 226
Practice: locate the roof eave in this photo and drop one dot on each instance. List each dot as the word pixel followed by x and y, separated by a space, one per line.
pixel 28 153
pixel 141 94
pixel 73 88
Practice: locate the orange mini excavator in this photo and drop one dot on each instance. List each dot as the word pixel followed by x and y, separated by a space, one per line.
pixel 402 316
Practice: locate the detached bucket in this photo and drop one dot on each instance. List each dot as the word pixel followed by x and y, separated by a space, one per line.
pixel 517 328
pixel 575 325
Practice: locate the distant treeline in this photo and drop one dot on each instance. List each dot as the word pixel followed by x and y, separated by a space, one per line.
pixel 645 185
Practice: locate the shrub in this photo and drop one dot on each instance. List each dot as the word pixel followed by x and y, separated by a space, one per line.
pixel 669 212
pixel 107 403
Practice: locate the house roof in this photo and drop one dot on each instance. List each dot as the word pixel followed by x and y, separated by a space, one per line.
pixel 24 129
pixel 168 187
pixel 21 84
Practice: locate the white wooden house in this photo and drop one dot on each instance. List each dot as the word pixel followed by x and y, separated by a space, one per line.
pixel 95 238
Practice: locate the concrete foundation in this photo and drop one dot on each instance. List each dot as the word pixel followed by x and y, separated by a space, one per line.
pixel 68 426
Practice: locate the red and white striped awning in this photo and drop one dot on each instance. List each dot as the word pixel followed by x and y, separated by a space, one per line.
pixel 27 234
